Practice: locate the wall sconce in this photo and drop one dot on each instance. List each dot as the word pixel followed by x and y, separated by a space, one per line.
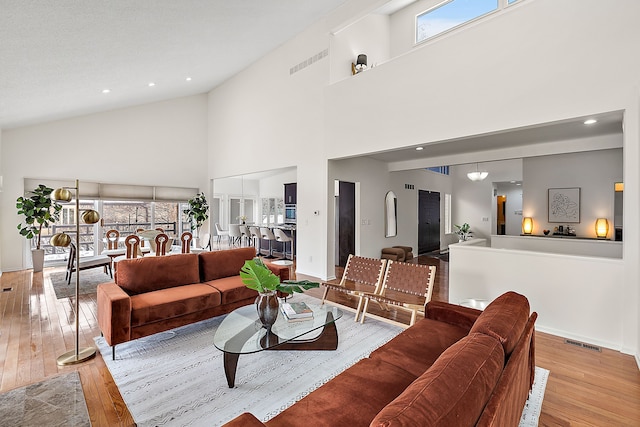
pixel 602 228
pixel 62 239
pixel 360 65
pixel 527 225
pixel 477 175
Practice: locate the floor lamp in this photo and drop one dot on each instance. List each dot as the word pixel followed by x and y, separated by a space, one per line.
pixel 62 239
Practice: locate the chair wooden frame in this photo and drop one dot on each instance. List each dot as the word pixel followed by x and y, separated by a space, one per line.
pixel 86 263
pixel 406 286
pixel 161 244
pixel 185 242
pixel 361 275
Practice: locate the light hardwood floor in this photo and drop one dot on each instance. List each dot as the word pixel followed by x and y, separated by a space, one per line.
pixel 585 387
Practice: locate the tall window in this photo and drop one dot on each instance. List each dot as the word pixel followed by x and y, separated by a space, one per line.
pixel 450 14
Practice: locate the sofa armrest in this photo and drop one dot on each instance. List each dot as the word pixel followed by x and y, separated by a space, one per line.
pixel 245 420
pixel 451 313
pixel 114 313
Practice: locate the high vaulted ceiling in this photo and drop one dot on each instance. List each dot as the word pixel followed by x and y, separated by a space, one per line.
pixel 56 57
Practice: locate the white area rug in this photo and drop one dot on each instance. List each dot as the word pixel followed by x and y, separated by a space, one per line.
pixel 533 405
pixel 177 378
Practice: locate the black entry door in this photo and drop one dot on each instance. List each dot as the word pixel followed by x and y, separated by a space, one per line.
pixel 428 221
pixel 346 224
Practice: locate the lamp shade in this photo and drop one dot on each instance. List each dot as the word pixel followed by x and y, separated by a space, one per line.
pixel 527 225
pixel 602 228
pixel 60 240
pixel 362 60
pixel 477 176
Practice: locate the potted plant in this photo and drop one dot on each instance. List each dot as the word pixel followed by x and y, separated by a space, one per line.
pixel 463 231
pixel 198 213
pixel 39 211
pixel 257 276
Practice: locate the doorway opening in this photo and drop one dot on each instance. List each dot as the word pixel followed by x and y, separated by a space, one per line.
pixel 345 221
pixel 502 223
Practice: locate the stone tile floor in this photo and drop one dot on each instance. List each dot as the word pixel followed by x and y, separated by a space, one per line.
pixel 57 401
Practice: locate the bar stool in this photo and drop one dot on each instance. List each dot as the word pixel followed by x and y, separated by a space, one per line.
pixel 246 234
pixel 220 232
pixel 267 234
pixel 281 236
pixel 255 235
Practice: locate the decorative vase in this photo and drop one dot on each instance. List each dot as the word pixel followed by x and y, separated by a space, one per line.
pixel 267 305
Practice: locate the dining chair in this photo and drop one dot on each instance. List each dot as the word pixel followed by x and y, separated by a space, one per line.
pixel 112 238
pixel 267 234
pixel 235 236
pixel 132 245
pixel 144 249
pixel 205 241
pixel 185 242
pixel 161 240
pixel 246 234
pixel 361 275
pixel 220 232
pixel 282 237
pixel 255 237
pixel 406 286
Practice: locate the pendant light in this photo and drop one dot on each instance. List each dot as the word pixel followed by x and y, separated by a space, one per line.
pixel 477 175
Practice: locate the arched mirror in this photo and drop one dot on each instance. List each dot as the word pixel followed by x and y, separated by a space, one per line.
pixel 390 220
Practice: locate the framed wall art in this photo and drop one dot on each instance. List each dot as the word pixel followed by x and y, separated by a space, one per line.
pixel 564 205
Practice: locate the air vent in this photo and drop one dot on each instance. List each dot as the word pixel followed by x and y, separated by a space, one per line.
pixel 7 289
pixel 583 345
pixel 304 64
pixel 409 187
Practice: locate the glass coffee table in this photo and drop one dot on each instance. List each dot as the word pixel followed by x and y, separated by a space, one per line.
pixel 242 333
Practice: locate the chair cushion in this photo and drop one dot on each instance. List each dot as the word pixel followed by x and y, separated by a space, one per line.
pixel 172 302
pixel 95 261
pixel 454 391
pixel 232 289
pixel 504 319
pixel 394 254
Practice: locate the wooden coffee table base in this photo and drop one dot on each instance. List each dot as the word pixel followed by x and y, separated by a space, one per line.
pixel 327 340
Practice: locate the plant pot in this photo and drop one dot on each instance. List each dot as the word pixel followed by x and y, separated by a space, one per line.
pixel 37 259
pixel 267 306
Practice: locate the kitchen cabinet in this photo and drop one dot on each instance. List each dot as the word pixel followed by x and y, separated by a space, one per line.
pixel 290 193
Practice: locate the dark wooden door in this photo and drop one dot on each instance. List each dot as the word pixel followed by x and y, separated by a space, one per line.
pixel 428 221
pixel 346 232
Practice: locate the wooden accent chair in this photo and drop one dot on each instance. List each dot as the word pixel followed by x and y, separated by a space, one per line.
pixel 112 239
pixel 185 242
pixel 406 286
pixel 361 275
pixel 85 263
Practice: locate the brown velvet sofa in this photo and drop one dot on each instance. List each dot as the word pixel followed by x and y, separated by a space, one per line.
pixel 456 367
pixel 155 294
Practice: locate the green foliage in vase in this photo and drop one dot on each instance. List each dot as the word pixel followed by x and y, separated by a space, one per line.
pixel 198 211
pixel 39 211
pixel 257 276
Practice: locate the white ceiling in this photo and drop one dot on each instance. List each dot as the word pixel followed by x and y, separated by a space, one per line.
pixel 56 57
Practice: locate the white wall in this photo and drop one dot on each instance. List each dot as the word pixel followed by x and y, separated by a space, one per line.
pixel 575 297
pixel 273 185
pixel 595 173
pixel 560 245
pixel 153 144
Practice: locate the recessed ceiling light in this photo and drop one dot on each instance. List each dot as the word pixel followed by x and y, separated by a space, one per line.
pixel 188 79
pixel 419 148
pixel 106 90
pixel 513 182
pixel 151 84
pixel 590 121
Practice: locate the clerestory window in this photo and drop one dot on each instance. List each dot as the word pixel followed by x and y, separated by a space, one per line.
pixel 451 14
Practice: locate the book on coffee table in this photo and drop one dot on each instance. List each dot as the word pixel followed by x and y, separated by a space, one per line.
pixel 296 310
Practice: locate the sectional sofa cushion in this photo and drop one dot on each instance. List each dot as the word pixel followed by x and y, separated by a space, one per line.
pixel 403 352
pixel 218 264
pixel 172 302
pixel 232 289
pixel 352 399
pixel 504 319
pixel 454 391
pixel 140 275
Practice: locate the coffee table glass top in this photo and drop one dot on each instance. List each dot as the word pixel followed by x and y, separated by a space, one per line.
pixel 242 333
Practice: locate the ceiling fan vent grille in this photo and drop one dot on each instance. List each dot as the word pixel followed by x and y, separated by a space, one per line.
pixel 304 64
